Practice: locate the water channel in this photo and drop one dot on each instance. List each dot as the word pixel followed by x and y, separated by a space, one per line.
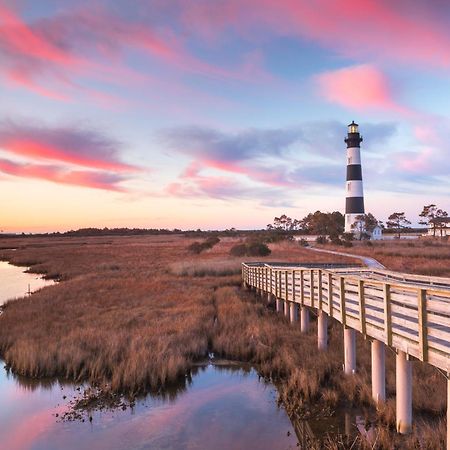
pixel 220 407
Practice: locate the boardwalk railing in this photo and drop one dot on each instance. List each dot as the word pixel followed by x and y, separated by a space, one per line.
pixel 409 313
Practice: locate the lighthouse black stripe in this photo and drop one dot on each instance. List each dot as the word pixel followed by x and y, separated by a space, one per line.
pixel 353 140
pixel 354 205
pixel 354 172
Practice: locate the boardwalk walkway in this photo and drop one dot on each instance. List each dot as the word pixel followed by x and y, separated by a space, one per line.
pixel 408 313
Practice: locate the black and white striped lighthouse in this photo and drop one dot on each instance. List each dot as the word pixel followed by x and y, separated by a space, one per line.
pixel 354 201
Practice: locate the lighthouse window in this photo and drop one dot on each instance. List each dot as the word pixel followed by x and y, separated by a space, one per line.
pixel 349 186
pixel 349 160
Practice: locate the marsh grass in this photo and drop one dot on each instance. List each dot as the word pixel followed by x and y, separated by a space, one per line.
pixel 217 268
pixel 422 256
pixel 137 314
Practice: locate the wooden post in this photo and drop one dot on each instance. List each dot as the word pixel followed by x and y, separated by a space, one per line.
pixel 293 286
pixel 302 288
pixel 271 281
pixel 362 307
pixel 286 285
pixel 422 323
pixel 387 314
pixel 330 294
pixel 342 299
pixel 319 288
pixel 311 287
pixel 276 284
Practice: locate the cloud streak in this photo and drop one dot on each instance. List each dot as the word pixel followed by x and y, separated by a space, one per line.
pixel 61 175
pixel 300 156
pixel 72 145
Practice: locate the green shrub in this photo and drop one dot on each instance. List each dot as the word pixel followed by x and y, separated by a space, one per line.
pixel 250 249
pixel 198 247
pixel 321 240
pixel 239 250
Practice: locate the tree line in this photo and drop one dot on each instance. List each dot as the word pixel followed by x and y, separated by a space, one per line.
pixel 333 224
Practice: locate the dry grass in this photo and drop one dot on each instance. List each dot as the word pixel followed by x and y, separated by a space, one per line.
pixel 134 314
pixel 421 256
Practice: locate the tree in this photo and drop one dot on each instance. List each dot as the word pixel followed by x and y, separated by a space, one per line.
pixel 364 225
pixel 431 215
pixel 323 223
pixel 398 222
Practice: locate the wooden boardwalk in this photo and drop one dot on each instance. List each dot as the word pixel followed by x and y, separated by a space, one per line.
pixel 408 313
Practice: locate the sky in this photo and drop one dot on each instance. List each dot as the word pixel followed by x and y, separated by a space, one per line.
pixel 215 114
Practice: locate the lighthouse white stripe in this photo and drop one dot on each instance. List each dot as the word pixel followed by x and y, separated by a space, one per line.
pixel 353 155
pixel 354 189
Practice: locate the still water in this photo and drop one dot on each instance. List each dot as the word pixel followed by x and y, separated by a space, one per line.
pixel 14 282
pixel 219 407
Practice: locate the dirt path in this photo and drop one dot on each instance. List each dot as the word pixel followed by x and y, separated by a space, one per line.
pixel 369 262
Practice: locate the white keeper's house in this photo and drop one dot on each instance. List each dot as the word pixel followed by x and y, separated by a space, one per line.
pixel 439 227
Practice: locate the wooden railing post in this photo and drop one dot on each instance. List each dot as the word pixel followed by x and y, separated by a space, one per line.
pixel 293 286
pixel 311 287
pixel 286 285
pixel 302 288
pixel 422 323
pixel 342 299
pixel 319 288
pixel 362 307
pixel 330 294
pixel 387 314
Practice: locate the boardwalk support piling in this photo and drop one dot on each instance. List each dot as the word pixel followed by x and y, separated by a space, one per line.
pixel 293 312
pixel 378 372
pixel 349 351
pixel 278 304
pixel 448 411
pixel 286 308
pixel 304 319
pixel 322 331
pixel 403 381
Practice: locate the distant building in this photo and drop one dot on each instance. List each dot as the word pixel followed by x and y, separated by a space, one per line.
pixel 439 227
pixel 377 234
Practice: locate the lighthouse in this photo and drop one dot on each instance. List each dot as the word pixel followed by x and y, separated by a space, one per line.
pixel 354 201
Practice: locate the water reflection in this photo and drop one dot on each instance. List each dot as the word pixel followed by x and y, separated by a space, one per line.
pixel 217 407
pixel 15 282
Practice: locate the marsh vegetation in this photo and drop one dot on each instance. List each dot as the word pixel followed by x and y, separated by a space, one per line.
pixel 135 314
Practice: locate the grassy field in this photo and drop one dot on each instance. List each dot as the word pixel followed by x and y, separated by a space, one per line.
pixel 134 314
pixel 420 256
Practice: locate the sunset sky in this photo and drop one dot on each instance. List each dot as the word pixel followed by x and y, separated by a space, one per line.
pixel 218 113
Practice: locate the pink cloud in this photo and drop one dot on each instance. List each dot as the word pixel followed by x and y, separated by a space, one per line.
pixel 415 162
pixel 61 175
pixel 94 44
pixel 77 146
pixel 379 29
pixel 359 87
pixel 18 38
